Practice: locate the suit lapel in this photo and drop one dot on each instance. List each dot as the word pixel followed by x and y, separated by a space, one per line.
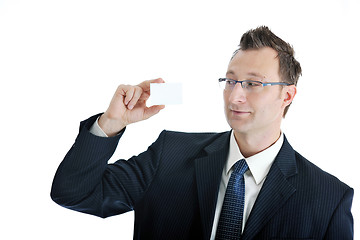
pixel 208 175
pixel 274 193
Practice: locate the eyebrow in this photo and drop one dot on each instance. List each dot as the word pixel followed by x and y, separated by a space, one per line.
pixel 230 72
pixel 254 74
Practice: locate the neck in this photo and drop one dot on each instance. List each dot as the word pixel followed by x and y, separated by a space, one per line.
pixel 251 144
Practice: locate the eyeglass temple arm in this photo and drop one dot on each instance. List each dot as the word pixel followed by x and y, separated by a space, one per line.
pixel 276 83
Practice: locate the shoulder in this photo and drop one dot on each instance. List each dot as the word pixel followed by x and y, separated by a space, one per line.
pixel 195 141
pixel 305 173
pixel 192 136
pixel 315 181
pixel 308 168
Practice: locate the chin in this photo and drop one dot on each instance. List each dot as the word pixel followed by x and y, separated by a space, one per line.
pixel 239 126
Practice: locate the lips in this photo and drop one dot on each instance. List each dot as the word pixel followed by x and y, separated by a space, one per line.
pixel 239 112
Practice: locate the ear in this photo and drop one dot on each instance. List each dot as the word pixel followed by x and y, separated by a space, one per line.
pixel 289 93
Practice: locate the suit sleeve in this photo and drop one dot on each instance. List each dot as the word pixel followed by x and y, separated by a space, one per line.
pixel 341 225
pixel 85 182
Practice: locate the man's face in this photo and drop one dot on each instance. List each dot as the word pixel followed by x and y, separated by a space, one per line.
pixel 260 112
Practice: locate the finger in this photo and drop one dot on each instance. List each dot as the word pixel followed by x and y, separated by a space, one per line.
pixel 135 98
pixel 146 93
pixel 146 84
pixel 151 111
pixel 129 93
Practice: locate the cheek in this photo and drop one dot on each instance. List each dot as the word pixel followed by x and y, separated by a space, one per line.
pixel 266 106
pixel 272 111
pixel 226 99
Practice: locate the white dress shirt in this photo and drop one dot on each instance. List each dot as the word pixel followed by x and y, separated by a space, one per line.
pixel 259 166
pixel 96 129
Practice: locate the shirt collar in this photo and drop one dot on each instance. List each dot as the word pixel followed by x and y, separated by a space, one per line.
pixel 260 163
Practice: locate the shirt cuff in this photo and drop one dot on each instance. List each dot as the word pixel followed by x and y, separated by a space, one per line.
pixel 96 129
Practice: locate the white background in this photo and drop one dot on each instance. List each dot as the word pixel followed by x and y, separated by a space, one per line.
pixel 61 61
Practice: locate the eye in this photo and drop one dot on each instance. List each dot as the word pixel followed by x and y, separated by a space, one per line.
pixel 230 82
pixel 252 84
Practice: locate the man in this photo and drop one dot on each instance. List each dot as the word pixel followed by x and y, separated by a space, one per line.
pixel 248 183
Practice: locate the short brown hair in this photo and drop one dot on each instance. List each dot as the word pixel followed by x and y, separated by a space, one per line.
pixel 290 69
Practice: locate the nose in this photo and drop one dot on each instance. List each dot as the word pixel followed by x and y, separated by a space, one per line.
pixel 238 94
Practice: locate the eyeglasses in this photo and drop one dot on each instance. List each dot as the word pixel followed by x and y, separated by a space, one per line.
pixel 250 86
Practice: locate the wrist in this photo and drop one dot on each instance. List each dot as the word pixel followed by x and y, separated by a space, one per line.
pixel 111 127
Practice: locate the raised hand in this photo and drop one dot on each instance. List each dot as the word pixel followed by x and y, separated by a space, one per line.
pixel 127 106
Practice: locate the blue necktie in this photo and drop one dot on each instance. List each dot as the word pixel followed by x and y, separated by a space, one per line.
pixel 230 222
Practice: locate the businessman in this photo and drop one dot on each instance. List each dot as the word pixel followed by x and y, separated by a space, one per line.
pixel 248 183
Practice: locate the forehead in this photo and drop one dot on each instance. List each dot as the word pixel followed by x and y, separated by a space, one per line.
pixel 261 62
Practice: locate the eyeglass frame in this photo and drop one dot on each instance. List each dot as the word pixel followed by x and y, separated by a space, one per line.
pixel 262 83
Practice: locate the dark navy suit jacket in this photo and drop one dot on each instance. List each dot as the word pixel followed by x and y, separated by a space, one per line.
pixel 173 188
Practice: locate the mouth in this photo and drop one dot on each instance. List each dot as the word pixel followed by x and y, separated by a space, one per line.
pixel 239 112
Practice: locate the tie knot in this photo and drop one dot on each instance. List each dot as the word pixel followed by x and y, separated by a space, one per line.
pixel 240 167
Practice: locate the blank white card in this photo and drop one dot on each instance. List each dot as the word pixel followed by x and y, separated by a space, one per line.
pixel 165 93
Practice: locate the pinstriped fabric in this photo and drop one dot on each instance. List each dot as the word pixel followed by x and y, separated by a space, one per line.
pixel 173 189
pixel 230 222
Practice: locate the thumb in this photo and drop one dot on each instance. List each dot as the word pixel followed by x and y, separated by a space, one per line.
pixel 153 110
